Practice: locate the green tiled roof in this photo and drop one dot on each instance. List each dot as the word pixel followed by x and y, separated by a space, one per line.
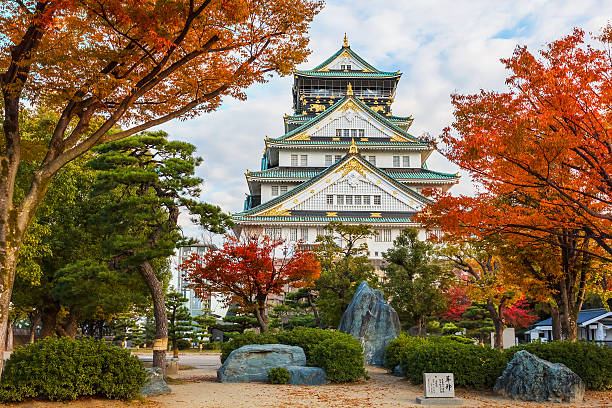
pixel 351 74
pixel 322 174
pixel 376 72
pixel 327 111
pixel 240 217
pixel 304 118
pixel 420 174
pixel 341 143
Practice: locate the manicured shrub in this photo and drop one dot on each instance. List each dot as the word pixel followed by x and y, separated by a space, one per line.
pixel 305 337
pixel 473 366
pixel 396 346
pixel 279 375
pixel 62 369
pixel 592 362
pixel 183 344
pixel 341 357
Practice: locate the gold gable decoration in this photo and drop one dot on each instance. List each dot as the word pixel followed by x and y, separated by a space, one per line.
pixel 353 148
pixel 349 90
pixel 276 212
pixel 351 165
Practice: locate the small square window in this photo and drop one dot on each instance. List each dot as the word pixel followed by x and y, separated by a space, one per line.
pixel 348 199
pixel 372 159
pixel 283 189
pixel 346 132
pixel 387 235
pixel 366 200
pixel 274 191
pixel 337 158
pixel 378 236
pixel 304 160
pixel 396 161
pixel 361 133
pixel 292 234
pixel 405 161
pixel 340 199
pixel 353 132
pixel 330 199
pixel 376 200
pixel 304 234
pixel 294 160
pixel 338 132
pixel 357 200
pixel 328 160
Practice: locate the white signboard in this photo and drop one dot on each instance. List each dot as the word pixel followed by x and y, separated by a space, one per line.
pixel 439 385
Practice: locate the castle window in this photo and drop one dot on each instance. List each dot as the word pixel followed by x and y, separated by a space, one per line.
pixel 304 160
pixel 376 200
pixel 294 160
pixel 304 234
pixel 396 161
pixel 372 159
pixel 330 199
pixel 338 158
pixel 354 133
pixel 348 199
pixel 338 132
pixel 357 200
pixel 283 189
pixel 406 161
pixel 274 191
pixel 366 200
pixel 328 159
pixel 346 132
pixel 292 234
pixel 361 132
pixel 340 199
pixel 387 235
pixel 320 232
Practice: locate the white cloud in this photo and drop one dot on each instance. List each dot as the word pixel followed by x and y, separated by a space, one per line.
pixel 440 46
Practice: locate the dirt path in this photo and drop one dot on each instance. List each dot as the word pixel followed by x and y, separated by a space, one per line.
pixel 197 387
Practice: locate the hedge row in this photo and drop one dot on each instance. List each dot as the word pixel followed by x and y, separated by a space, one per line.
pixel 339 354
pixel 63 369
pixel 475 366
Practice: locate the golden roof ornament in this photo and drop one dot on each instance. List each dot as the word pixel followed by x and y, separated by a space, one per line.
pixel 349 90
pixel 345 41
pixel 353 148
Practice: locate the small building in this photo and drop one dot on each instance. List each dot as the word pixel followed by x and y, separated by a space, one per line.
pixel 593 325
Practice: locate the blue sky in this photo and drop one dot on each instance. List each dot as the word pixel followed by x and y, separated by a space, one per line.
pixel 441 47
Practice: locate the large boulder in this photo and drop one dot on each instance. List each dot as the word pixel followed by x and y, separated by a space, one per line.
pixel 371 320
pixel 529 378
pixel 306 375
pixel 252 362
pixel 155 383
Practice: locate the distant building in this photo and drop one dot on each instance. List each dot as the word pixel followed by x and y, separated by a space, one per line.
pixel 195 305
pixel 593 324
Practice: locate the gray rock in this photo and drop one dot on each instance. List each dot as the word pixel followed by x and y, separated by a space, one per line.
pixel 252 362
pixel 155 383
pixel 397 371
pixel 371 320
pixel 306 375
pixel 530 378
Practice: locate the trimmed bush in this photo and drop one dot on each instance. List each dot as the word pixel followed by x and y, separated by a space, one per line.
pixel 341 357
pixel 395 347
pixel 344 364
pixel 592 362
pixel 63 369
pixel 279 375
pixel 473 366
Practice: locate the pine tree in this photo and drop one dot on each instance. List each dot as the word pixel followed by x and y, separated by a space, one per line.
pixel 202 327
pixel 179 320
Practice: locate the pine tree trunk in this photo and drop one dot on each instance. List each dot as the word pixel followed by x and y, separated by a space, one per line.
pixel 159 311
pixel 315 311
pixel 49 322
pixel 262 317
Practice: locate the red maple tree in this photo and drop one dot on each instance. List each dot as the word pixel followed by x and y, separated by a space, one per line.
pixel 249 271
pixel 518 315
pixel 458 301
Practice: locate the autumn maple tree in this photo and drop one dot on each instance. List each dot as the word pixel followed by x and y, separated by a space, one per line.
pixel 542 153
pixel 249 271
pixel 110 69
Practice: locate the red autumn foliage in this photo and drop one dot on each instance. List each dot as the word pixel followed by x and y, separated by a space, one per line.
pixel 518 316
pixel 458 301
pixel 248 272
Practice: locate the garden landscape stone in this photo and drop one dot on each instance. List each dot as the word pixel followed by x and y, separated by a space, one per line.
pixel 371 320
pixel 306 375
pixel 155 383
pixel 530 378
pixel 253 361
pixel 397 371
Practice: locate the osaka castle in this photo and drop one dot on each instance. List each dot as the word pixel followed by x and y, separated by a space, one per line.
pixel 344 156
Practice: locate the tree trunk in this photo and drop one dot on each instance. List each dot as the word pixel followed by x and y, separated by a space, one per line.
pixel 49 322
pixel 498 322
pixel 315 311
pixel 161 318
pixel 69 328
pixel 556 322
pixel 34 318
pixel 175 350
pixel 8 264
pixel 9 336
pixel 421 328
pixel 262 317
